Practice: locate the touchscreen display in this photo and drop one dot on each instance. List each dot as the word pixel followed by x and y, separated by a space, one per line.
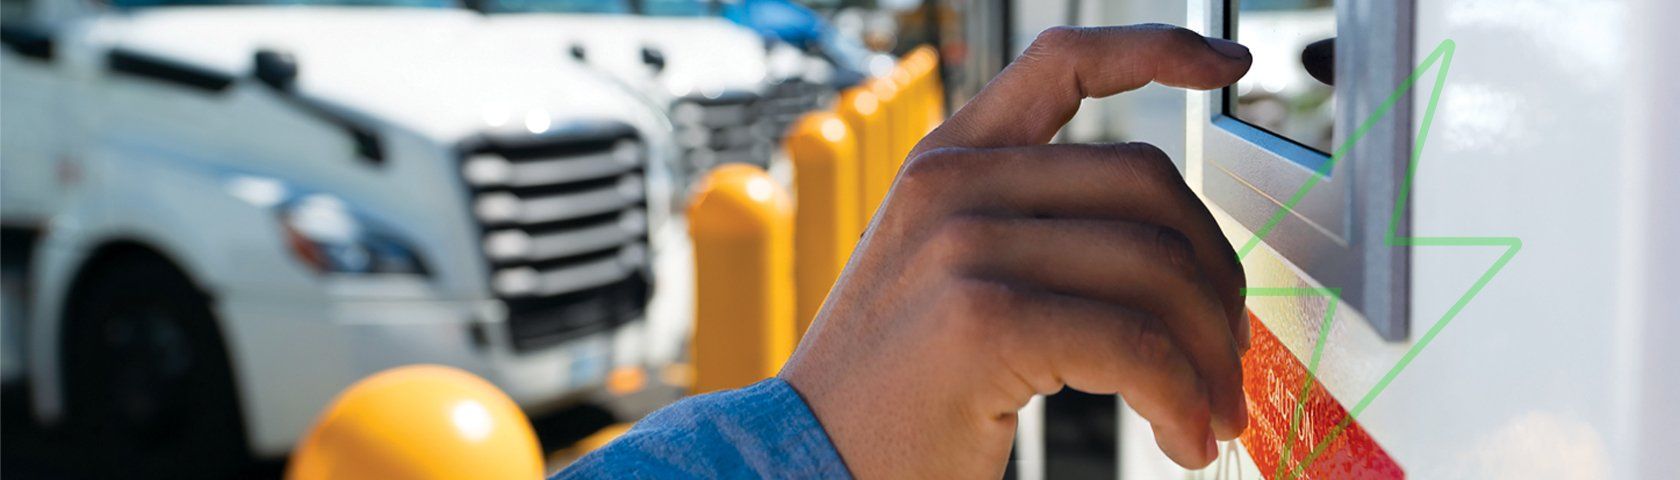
pixel 1289 89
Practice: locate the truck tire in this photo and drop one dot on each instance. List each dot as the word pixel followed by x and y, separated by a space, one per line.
pixel 149 387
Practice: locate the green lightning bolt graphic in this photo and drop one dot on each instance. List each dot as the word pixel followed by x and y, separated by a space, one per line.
pixel 1443 55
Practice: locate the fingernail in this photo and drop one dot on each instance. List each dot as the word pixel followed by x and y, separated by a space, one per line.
pixel 1212 448
pixel 1227 48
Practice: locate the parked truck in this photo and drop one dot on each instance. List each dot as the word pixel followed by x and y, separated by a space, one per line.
pixel 218 216
pixel 730 92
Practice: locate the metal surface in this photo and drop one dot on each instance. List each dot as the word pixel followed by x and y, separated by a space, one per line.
pixel 1560 367
pixel 1335 233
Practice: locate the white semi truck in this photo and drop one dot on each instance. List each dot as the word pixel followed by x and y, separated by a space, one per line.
pixel 219 216
pixel 731 93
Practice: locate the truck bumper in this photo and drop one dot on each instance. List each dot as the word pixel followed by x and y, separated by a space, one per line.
pixel 291 358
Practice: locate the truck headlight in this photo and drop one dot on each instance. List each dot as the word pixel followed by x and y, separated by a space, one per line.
pixel 327 236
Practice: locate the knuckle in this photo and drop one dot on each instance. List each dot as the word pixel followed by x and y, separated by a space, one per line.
pixel 1152 345
pixel 1147 156
pixel 976 305
pixel 1145 165
pixel 1057 38
pixel 1175 250
pixel 932 162
pixel 925 173
pixel 962 238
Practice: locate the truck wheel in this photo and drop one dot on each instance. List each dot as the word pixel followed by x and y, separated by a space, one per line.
pixel 150 391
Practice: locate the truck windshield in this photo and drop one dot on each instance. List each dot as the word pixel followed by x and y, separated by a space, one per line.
pixel 370 3
pixel 676 8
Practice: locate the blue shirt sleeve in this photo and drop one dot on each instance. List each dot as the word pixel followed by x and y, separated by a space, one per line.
pixel 764 430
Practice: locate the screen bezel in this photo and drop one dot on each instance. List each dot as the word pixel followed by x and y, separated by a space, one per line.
pixel 1228 104
pixel 1335 234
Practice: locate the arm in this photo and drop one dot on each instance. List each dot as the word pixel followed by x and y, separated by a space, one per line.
pixel 761 431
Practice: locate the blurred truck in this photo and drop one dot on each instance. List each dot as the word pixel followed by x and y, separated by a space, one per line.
pixel 730 92
pixel 218 216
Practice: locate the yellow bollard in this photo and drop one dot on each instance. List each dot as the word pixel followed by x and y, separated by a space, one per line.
pixel 914 71
pixel 741 222
pixel 880 171
pixel 936 89
pixel 924 62
pixel 825 186
pixel 907 119
pixel 861 110
pixel 419 422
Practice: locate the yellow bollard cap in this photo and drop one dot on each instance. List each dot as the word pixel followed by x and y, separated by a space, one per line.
pixel 927 67
pixel 923 64
pixel 902 76
pixel 923 57
pixel 885 90
pixel 859 101
pixel 419 422
pixel 737 200
pixel 819 130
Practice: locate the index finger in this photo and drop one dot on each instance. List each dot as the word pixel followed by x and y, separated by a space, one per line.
pixel 1041 90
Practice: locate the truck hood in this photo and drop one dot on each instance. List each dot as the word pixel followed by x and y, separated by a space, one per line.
pixel 702 54
pixel 434 71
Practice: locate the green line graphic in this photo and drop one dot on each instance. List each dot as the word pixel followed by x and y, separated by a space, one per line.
pixel 1443 54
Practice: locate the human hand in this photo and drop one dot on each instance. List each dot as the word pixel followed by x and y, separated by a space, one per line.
pixel 1000 267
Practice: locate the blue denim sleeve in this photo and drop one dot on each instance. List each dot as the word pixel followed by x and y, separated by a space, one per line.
pixel 764 430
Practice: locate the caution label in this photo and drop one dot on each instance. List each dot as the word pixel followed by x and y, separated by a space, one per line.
pixel 1296 429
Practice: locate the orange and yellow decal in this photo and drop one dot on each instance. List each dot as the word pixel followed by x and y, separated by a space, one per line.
pixel 1279 389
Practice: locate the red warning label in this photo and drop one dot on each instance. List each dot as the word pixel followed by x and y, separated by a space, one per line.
pixel 1294 438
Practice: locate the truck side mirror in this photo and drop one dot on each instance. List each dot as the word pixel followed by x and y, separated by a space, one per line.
pixel 653 58
pixel 276 69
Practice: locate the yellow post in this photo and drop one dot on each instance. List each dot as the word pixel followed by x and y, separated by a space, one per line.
pixel 825 219
pixel 936 88
pixel 419 422
pixel 907 116
pixel 882 170
pixel 924 61
pixel 861 110
pixel 741 223
pixel 914 72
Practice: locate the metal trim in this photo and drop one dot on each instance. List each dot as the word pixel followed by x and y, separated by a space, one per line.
pixel 1335 235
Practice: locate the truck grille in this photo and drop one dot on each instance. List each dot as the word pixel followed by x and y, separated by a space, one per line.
pixel 740 127
pixel 788 100
pixel 721 129
pixel 564 229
